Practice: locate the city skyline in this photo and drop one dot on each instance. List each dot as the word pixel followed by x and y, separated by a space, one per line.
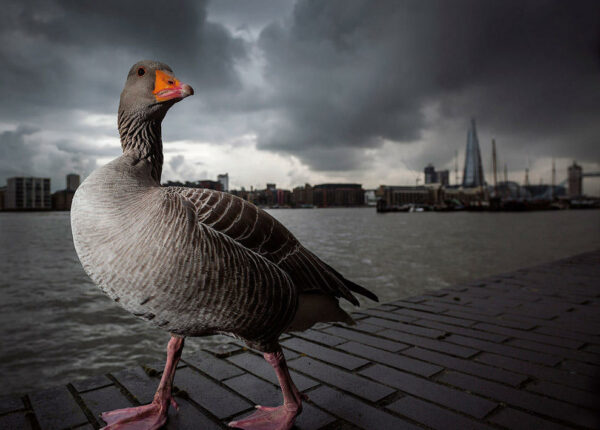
pixel 296 91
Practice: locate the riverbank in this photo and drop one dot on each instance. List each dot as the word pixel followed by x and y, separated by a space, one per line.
pixel 518 350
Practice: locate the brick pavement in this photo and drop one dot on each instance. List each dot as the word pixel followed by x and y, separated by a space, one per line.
pixel 519 351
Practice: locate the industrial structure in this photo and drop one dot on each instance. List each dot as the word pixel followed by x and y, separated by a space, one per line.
pixel 473 171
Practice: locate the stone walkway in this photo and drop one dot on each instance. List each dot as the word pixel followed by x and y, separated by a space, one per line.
pixel 517 351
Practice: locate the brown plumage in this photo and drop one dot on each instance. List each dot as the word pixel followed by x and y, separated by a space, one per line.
pixel 194 262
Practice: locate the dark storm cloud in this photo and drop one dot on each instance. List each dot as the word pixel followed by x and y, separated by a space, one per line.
pixel 348 74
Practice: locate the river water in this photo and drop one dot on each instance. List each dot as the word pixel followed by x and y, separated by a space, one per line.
pixel 56 326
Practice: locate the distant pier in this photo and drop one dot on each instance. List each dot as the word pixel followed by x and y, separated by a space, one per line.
pixel 518 350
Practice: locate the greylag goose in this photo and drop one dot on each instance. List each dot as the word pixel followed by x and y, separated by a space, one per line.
pixel 195 262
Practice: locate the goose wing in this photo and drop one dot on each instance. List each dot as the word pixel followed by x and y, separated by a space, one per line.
pixel 258 231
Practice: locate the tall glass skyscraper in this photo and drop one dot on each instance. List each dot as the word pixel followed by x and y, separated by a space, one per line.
pixel 473 173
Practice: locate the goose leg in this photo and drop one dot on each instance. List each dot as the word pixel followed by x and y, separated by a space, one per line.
pixel 279 417
pixel 154 415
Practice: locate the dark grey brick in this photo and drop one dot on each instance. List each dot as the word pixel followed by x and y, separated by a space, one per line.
pixel 521 334
pixel 138 383
pixel 581 368
pixel 522 399
pixel 467 366
pixel 387 315
pixel 217 400
pixel 503 349
pixel 329 355
pixel 497 320
pixel 556 350
pixel 592 348
pixel 463 307
pixel 258 366
pixel 437 393
pixel 356 412
pixel 391 359
pixel 105 400
pixel 222 349
pixel 349 382
pixel 262 393
pixel 567 394
pixel 366 327
pixel 437 345
pixel 367 339
pixel 188 417
pixel 553 374
pixel 433 416
pixel 462 330
pixel 15 421
pixel 216 368
pixel 56 409
pixel 517 420
pixel 320 337
pixel 407 328
pixel 10 403
pixel 435 317
pixel 91 383
pixel 434 308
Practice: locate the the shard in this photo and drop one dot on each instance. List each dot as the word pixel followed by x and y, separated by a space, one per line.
pixel 473 173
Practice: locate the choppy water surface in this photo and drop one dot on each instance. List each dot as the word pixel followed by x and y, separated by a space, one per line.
pixel 57 327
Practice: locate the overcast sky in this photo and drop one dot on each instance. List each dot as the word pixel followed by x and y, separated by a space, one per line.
pixel 306 91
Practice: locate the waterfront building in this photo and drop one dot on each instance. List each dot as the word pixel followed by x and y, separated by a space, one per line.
pixel 399 195
pixel 204 183
pixel 326 195
pixel 473 171
pixel 575 180
pixel 370 198
pixel 224 180
pixel 433 176
pixel 303 196
pixel 73 181
pixel 27 193
pixel 2 194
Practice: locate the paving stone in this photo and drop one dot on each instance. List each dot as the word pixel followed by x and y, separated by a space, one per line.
pixel 433 416
pixel 432 391
pixel 387 315
pixel 262 393
pixel 391 359
pixel 407 328
pixel 521 334
pixel 91 383
pixel 258 366
pixel 320 337
pixel 10 403
pixel 217 400
pixel 556 350
pixel 356 412
pixel 217 368
pixel 223 349
pixel 462 330
pixel 15 421
pixel 522 399
pixel 517 420
pixel 511 351
pixel 436 345
pixel 463 307
pixel 434 317
pixel 188 417
pixel 581 368
pixel 467 366
pixel 349 382
pixel 138 383
pixel 523 325
pixel 434 308
pixel 326 354
pixel 567 394
pixel 366 327
pixel 56 408
pixel 366 339
pixel 552 374
pixel 105 400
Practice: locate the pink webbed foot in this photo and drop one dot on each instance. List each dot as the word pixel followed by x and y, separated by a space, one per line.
pixel 146 417
pixel 269 418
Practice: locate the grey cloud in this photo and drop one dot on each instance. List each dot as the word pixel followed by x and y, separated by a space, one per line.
pixel 347 74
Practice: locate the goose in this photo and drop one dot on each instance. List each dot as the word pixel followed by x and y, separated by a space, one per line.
pixel 195 262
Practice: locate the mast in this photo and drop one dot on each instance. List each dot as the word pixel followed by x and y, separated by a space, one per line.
pixel 494 167
pixel 553 176
pixel 456 167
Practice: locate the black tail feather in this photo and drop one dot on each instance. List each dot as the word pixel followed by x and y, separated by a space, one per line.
pixel 360 290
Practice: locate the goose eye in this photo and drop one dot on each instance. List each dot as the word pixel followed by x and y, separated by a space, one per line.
pixel 141 71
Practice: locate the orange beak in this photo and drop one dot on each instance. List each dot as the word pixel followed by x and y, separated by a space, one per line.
pixel 167 87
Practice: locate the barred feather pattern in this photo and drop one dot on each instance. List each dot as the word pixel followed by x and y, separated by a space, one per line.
pixel 148 251
pixel 258 231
